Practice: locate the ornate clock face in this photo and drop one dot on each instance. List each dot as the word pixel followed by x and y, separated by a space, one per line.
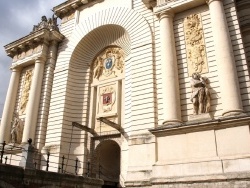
pixel 108 63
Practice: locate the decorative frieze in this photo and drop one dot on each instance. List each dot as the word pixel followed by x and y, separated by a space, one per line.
pixel 195 45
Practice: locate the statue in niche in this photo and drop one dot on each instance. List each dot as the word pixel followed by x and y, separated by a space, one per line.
pixel 17 130
pixel 200 94
pixel 195 45
pixel 109 63
pixel 25 91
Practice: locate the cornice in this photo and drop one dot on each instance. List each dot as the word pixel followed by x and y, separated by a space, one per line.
pixel 69 7
pixel 33 39
pixel 189 127
pixel 177 6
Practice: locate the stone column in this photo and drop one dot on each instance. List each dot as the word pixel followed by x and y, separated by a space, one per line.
pixel 9 105
pixel 49 69
pixel 34 99
pixel 229 83
pixel 170 81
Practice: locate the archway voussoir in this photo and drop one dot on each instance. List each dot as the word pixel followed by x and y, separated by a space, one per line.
pixel 133 23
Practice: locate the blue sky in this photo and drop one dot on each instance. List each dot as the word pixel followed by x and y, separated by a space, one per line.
pixel 17 18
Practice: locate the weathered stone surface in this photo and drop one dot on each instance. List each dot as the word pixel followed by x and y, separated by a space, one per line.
pixel 13 176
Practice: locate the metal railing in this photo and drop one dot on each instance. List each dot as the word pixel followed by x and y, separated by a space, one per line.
pixel 17 155
pixel 28 156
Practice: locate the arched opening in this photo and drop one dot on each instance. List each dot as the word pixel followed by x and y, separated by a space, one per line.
pixel 107 163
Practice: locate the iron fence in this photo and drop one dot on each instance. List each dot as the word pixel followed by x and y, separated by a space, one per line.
pixel 11 154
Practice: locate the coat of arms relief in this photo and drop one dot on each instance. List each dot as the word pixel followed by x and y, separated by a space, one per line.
pixel 107 99
pixel 107 73
pixel 109 64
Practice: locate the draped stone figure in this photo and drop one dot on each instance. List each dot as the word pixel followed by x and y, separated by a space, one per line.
pixel 200 96
pixel 17 130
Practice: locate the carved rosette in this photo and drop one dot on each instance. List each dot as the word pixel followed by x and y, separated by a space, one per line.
pixel 195 45
pixel 25 91
pixel 108 64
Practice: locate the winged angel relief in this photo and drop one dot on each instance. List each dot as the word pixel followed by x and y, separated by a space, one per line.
pixel 109 64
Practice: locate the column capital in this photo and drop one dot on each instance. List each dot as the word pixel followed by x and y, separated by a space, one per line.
pixel 16 68
pixel 40 59
pixel 210 1
pixel 166 13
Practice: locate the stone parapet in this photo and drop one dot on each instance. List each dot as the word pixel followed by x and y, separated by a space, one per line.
pixel 13 176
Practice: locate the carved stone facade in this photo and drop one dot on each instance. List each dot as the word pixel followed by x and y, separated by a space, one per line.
pixel 195 45
pixel 108 70
pixel 113 89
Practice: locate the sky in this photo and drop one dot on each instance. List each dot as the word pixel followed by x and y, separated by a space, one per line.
pixel 17 18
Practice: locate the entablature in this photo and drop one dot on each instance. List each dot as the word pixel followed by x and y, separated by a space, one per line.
pixel 69 7
pixel 32 40
pixel 176 5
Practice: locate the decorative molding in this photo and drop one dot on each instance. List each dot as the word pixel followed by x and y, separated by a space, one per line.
pixel 210 1
pixel 220 123
pixel 195 45
pixel 69 7
pixel 33 41
pixel 177 5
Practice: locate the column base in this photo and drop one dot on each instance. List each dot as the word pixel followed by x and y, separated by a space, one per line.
pixel 200 117
pixel 235 112
pixel 171 122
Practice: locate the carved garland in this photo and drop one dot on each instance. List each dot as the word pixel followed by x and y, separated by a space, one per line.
pixel 195 45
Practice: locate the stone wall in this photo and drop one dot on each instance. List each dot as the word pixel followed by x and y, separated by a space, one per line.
pixel 228 180
pixel 14 177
